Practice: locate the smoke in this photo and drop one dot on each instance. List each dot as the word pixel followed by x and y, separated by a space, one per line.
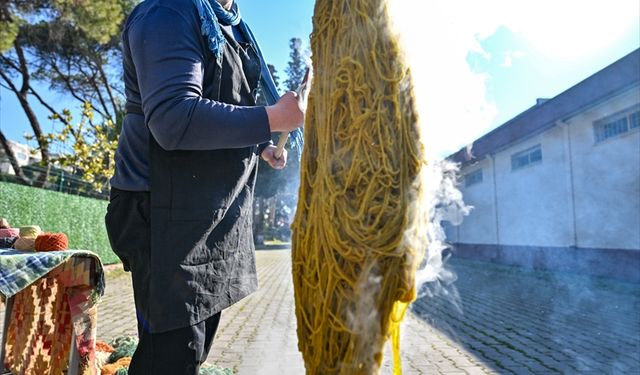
pixel 445 204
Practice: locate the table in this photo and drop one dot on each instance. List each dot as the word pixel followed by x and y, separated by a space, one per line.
pixel 52 300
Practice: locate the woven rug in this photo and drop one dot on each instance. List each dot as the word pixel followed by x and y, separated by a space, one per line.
pixel 52 306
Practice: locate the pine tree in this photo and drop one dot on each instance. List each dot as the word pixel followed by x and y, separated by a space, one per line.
pixel 76 50
pixel 297 66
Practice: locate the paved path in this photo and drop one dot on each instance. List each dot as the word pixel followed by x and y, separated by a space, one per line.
pixel 492 320
pixel 534 322
pixel 257 335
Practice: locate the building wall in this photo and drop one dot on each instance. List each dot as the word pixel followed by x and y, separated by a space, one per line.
pixel 532 200
pixel 22 153
pixel 606 179
pixel 480 226
pixel 582 194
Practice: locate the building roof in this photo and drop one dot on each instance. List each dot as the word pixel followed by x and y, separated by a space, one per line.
pixel 615 78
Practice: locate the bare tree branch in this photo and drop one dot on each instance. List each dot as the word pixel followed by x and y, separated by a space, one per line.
pixel 106 84
pixel 9 62
pixel 52 110
pixel 91 79
pixel 21 94
pixel 23 68
pixel 70 88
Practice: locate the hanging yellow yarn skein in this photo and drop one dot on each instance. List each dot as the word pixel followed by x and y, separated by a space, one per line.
pixel 359 233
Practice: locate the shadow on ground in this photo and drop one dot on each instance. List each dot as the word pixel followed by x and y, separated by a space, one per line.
pixel 522 321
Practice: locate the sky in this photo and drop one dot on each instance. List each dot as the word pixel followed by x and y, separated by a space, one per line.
pixel 476 64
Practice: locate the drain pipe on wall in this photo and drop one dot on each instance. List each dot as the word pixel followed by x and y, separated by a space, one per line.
pixel 495 197
pixel 566 130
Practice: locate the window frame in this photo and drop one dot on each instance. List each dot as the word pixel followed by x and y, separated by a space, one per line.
pixel 615 120
pixel 472 182
pixel 528 153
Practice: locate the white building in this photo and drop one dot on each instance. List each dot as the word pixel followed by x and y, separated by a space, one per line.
pixel 23 154
pixel 558 186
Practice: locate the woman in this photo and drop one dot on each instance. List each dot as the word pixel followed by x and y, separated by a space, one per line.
pixel 181 203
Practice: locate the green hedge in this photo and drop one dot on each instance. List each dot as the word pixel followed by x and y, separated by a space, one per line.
pixel 82 219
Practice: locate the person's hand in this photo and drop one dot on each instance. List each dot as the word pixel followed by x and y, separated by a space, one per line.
pixel 286 115
pixel 269 155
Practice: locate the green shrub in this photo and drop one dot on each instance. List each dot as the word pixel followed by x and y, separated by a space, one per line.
pixel 80 218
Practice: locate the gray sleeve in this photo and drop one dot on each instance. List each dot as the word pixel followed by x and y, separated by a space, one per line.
pixel 168 57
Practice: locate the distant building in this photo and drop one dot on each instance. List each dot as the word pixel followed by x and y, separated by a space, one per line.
pixel 23 153
pixel 558 186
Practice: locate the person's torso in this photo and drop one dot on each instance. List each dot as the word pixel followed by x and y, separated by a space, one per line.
pixel 235 81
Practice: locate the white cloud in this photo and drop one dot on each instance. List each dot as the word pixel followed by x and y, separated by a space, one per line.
pixel 509 56
pixel 508 61
pixel 439 35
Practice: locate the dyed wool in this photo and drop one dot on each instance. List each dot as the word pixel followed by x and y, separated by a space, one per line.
pixel 123 346
pixel 114 368
pixel 51 242
pixel 9 232
pixel 360 229
pixel 7 242
pixel 31 231
pixel 25 244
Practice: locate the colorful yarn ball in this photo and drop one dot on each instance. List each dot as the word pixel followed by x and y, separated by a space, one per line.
pixel 208 369
pixel 4 223
pixel 51 242
pixel 7 242
pixel 9 232
pixel 104 347
pixel 30 231
pixel 102 358
pixel 123 347
pixel 123 340
pixel 25 244
pixel 112 368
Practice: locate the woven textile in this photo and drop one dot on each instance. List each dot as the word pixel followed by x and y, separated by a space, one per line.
pixel 18 269
pixel 50 309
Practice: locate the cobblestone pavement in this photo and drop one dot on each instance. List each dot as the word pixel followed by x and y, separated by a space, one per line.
pixel 497 320
pixel 534 322
pixel 257 335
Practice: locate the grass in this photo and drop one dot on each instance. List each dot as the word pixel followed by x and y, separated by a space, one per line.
pixel 80 218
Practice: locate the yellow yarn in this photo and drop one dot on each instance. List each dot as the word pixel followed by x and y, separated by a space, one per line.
pixel 31 231
pixel 25 244
pixel 360 229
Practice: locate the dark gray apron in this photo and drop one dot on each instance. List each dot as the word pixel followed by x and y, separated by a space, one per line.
pixel 202 253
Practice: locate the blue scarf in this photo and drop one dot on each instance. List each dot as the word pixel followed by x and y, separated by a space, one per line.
pixel 212 14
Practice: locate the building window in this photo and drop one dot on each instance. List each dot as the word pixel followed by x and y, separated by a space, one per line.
pixel 617 124
pixel 526 157
pixel 21 156
pixel 634 120
pixel 473 178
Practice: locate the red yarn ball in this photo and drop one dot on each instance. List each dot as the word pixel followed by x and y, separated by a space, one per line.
pixel 52 242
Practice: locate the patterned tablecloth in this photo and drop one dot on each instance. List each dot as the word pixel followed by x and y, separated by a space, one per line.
pixel 55 294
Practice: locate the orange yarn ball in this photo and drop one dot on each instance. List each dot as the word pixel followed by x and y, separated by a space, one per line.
pixel 102 346
pixel 52 242
pixel 112 368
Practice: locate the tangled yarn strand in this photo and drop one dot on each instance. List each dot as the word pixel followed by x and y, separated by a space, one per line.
pixel 358 233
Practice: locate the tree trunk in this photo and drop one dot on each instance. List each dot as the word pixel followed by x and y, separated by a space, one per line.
pixel 44 149
pixel 22 95
pixel 272 212
pixel 12 159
